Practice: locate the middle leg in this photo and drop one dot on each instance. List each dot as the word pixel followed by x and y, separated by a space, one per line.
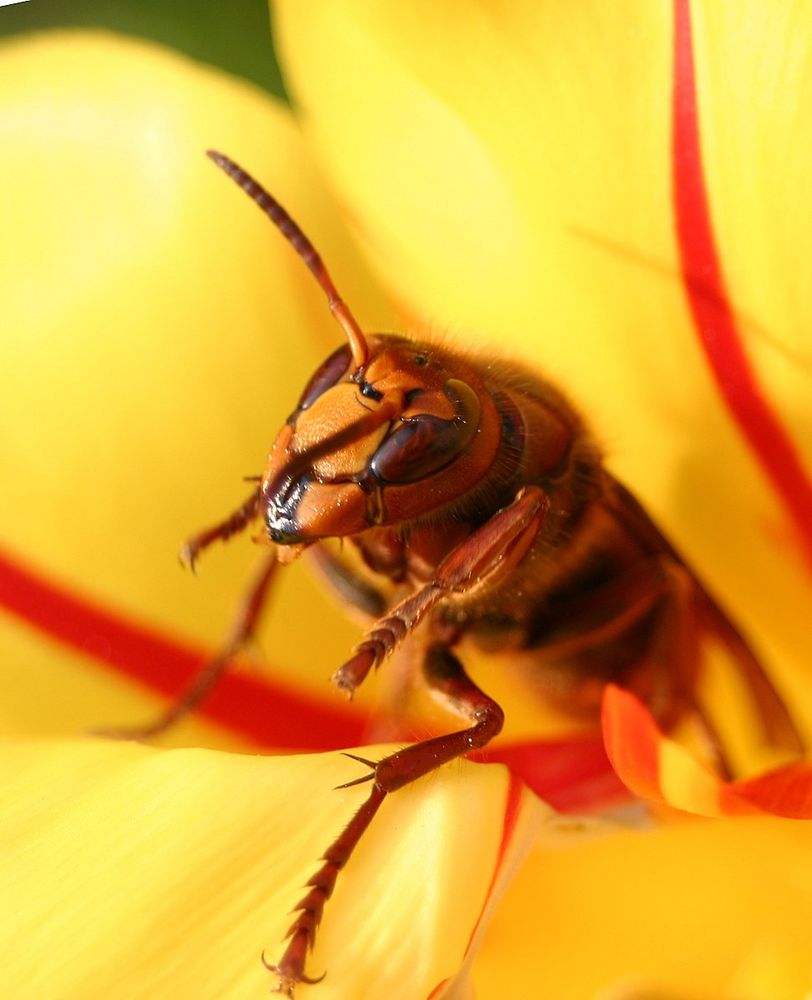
pixel 496 546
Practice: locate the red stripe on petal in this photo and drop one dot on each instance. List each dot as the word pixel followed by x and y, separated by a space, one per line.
pixel 513 804
pixel 570 775
pixel 710 306
pixel 632 742
pixel 264 711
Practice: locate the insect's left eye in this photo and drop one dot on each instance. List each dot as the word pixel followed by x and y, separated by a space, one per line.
pixel 421 359
pixel 426 444
pixel 325 377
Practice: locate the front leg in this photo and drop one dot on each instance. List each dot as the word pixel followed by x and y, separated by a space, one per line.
pixel 502 541
pixel 246 621
pixel 449 684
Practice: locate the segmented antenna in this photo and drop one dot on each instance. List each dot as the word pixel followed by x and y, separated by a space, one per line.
pixel 302 245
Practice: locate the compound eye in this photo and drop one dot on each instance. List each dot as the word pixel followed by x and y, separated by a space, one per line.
pixel 426 444
pixel 325 376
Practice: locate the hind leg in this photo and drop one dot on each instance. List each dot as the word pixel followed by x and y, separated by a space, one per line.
pixel 676 658
pixel 450 685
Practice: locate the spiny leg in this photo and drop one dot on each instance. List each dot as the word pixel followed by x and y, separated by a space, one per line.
pixel 778 725
pixel 496 545
pixel 242 630
pixel 449 684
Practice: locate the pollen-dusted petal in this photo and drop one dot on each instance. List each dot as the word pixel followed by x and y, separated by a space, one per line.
pixel 679 909
pixel 160 873
pixel 156 332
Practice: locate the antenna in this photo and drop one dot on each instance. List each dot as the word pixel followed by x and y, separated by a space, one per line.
pixel 302 245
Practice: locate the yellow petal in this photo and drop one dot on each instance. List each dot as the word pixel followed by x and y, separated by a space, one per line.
pixel 680 911
pixel 156 332
pixel 135 872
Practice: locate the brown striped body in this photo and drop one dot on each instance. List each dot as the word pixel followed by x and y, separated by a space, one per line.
pixel 479 503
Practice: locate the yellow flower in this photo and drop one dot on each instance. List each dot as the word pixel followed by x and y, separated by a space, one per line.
pixel 509 174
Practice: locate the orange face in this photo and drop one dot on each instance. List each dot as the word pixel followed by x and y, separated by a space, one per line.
pixel 409 433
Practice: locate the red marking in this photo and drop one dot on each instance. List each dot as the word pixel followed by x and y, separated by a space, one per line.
pixel 632 742
pixel 264 711
pixel 785 792
pixel 513 801
pixel 571 775
pixel 711 308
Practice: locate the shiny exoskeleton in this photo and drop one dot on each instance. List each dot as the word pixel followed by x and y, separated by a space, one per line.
pixel 475 487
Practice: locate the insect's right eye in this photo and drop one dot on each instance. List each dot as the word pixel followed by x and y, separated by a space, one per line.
pixel 325 376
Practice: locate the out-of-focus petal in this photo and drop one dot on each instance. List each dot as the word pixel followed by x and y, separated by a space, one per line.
pixel 156 331
pixel 691 911
pixel 163 873
pixel 660 770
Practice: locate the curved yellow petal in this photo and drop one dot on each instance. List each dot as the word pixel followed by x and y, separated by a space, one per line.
pixel 168 872
pixel 156 332
pixel 511 177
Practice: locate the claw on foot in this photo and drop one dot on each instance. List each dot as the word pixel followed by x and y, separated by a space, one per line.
pixel 302 932
pixel 286 983
pixel 371 764
pixel 361 760
pixel 187 556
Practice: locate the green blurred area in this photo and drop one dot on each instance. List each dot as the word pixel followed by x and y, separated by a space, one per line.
pixel 232 34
